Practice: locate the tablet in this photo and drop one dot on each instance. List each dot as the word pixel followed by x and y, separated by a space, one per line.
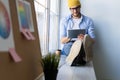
pixel 75 32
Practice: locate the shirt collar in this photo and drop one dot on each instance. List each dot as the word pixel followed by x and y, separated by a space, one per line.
pixel 70 17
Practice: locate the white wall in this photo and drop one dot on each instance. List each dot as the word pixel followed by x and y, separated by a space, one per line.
pixel 106 17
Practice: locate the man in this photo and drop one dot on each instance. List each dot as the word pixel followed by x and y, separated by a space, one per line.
pixel 75 20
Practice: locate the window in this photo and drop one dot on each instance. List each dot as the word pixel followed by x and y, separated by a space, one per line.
pixel 54 23
pixel 47 13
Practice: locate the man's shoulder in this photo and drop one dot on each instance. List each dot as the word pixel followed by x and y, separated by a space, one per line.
pixel 66 18
pixel 86 18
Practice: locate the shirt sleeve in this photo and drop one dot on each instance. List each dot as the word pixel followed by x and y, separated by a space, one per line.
pixel 91 30
pixel 63 30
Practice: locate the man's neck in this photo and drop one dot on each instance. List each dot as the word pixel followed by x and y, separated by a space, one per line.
pixel 76 17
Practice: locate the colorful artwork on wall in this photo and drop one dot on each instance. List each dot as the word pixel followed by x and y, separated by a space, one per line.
pixel 6 36
pixel 24 15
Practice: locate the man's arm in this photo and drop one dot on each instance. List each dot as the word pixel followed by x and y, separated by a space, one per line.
pixel 63 32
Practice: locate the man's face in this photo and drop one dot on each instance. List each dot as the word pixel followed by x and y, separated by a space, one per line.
pixel 75 11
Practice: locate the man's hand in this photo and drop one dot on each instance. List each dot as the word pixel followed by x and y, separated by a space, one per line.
pixel 65 40
pixel 80 36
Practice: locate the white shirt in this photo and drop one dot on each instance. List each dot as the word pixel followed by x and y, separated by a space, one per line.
pixel 76 23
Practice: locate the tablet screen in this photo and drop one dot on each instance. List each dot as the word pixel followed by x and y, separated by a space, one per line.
pixel 75 32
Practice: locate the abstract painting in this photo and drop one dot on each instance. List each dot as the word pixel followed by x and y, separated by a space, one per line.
pixel 6 35
pixel 24 15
